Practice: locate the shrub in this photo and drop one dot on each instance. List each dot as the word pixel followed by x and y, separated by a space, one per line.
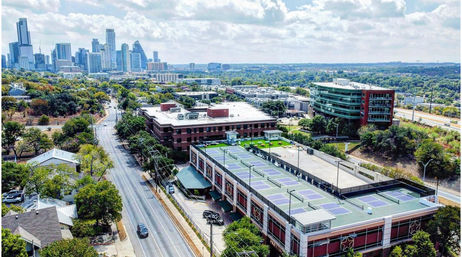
pixel 83 228
pixel 44 120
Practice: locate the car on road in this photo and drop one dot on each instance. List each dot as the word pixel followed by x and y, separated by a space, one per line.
pixel 142 230
pixel 208 214
pixel 171 189
pixel 218 221
pixel 105 124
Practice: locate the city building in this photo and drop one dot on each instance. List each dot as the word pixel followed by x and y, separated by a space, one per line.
pixel 40 62
pixel 413 100
pixel 106 61
pixel 192 66
pixel 110 41
pixel 4 65
pixel 119 60
pixel 62 55
pixel 309 216
pixel 81 59
pixel 165 77
pixel 359 103
pixel 138 49
pixel 14 54
pixel 125 58
pixel 202 81
pixel 214 66
pixel 198 95
pixel 94 62
pixel 135 61
pixel 156 66
pixel 177 127
pixel 155 56
pixel 26 55
pixel 95 45
pixel 23 32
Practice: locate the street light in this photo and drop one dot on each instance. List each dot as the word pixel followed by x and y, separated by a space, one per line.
pixel 250 174
pixel 425 167
pixel 290 204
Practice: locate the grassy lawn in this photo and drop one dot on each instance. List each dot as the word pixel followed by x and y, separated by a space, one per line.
pixel 259 143
pixel 341 146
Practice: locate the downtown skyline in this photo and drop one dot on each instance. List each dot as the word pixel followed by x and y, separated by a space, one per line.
pixel 320 31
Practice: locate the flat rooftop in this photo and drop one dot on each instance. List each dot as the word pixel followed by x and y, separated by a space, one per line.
pixel 196 93
pixel 351 86
pixel 318 167
pixel 273 183
pixel 238 112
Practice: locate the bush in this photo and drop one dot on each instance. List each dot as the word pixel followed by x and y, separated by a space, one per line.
pixel 44 120
pixel 83 228
pixel 392 172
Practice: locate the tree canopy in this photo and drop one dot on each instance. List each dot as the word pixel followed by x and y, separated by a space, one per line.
pixel 77 247
pixel 12 245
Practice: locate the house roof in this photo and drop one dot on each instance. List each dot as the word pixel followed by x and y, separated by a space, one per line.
pixel 42 225
pixel 65 212
pixel 191 179
pixel 57 154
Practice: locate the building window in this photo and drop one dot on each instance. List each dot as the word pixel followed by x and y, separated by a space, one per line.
pixel 241 200
pixel 201 164
pixel 294 245
pixel 245 134
pixel 195 130
pixel 220 128
pixel 238 127
pixel 245 126
pixel 227 128
pixel 229 189
pixel 178 131
pixel 277 230
pixel 256 213
pixel 178 140
pixel 165 129
pixel 201 130
pixel 255 125
pixel 188 130
pixel 209 171
pixel 188 139
pixel 193 158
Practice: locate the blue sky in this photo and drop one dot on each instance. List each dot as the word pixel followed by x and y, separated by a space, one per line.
pixel 249 31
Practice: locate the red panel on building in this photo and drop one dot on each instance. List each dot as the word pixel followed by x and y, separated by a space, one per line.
pixel 215 113
pixel 166 106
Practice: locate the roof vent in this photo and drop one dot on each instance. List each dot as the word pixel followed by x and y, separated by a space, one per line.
pixel 369 210
pixel 17 217
pixel 36 212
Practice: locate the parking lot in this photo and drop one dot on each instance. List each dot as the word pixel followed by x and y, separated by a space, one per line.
pixel 195 208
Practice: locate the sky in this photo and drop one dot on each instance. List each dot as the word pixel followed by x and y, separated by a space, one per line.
pixel 245 31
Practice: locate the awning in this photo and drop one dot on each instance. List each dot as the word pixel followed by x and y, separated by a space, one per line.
pixel 215 195
pixel 225 206
pixel 191 179
pixel 235 215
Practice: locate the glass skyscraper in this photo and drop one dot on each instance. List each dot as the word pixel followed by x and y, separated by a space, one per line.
pixel 138 49
pixel 110 41
pixel 125 58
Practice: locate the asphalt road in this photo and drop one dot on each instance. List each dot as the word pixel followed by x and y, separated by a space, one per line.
pixel 139 203
pixel 428 119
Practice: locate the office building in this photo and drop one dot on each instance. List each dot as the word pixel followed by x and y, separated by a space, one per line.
pixel 81 59
pixel 155 56
pixel 157 66
pixel 125 58
pixel 106 61
pixel 135 61
pixel 359 103
pixel 177 127
pixel 165 77
pixel 14 54
pixel 23 32
pixel 26 57
pixel 138 49
pixel 119 60
pixel 61 55
pixel 214 66
pixel 94 62
pixel 309 216
pixel 197 95
pixel 225 67
pixel 4 65
pixel 202 81
pixel 95 47
pixel 40 62
pixel 110 41
pixel 192 66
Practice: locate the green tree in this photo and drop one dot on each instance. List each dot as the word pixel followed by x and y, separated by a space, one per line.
pixel 37 140
pixel 83 228
pixel 94 160
pixel 15 208
pixel 422 246
pixel 100 201
pixel 440 166
pixel 244 222
pixel 75 126
pixel 318 124
pixel 8 102
pixel 352 253
pixel 77 247
pixel 44 120
pixel 397 252
pixel 11 132
pixel 445 229
pixel 130 125
pixel 102 97
pixel 274 108
pixel 12 245
pixel 244 240
pixel 37 178
pixel 305 123
pixel 187 101
pixel 14 175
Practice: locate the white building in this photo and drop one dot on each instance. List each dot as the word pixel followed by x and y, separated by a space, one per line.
pixel 56 156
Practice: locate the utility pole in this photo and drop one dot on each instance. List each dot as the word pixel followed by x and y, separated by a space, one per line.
pixel 298 159
pixel 211 240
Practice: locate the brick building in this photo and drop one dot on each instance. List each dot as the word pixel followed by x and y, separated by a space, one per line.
pixel 177 127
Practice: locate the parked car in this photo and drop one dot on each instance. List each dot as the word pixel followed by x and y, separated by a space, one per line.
pixel 218 221
pixel 14 197
pixel 142 230
pixel 171 189
pixel 210 214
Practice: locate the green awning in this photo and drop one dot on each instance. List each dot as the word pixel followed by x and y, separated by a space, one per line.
pixel 191 179
pixel 225 206
pixel 215 195
pixel 235 215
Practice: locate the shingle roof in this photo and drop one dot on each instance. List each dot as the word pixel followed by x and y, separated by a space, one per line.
pixel 43 225
pixel 55 153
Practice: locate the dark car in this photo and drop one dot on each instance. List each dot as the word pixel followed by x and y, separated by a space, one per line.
pixel 142 230
pixel 218 221
pixel 210 214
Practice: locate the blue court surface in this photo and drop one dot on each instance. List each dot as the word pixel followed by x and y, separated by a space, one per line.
pixel 296 211
pixel 372 201
pixel 271 172
pixel 288 181
pixel 310 194
pixel 334 208
pixel 233 166
pixel 400 195
pixel 259 185
pixel 244 174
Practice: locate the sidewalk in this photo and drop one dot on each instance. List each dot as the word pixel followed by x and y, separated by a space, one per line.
pixel 182 225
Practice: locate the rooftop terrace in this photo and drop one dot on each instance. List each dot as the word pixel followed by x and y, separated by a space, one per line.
pixel 274 183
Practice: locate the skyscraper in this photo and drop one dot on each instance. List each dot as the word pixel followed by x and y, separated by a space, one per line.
pixel 40 62
pixel 106 58
pixel 138 49
pixel 14 54
pixel 61 55
pixel 81 59
pixel 95 45
pixel 23 32
pixel 192 66
pixel 3 61
pixel 155 56
pixel 94 62
pixel 110 41
pixel 135 61
pixel 125 58
pixel 119 60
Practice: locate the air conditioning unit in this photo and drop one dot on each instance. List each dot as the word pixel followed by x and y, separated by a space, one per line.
pixel 180 116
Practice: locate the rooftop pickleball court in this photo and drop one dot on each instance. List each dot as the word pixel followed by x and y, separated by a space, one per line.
pixel 334 208
pixel 257 163
pixel 259 185
pixel 400 195
pixel 278 199
pixel 244 174
pixel 288 181
pixel 233 166
pixel 244 155
pixel 310 194
pixel 296 211
pixel 212 152
pixel 372 201
pixel 271 172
